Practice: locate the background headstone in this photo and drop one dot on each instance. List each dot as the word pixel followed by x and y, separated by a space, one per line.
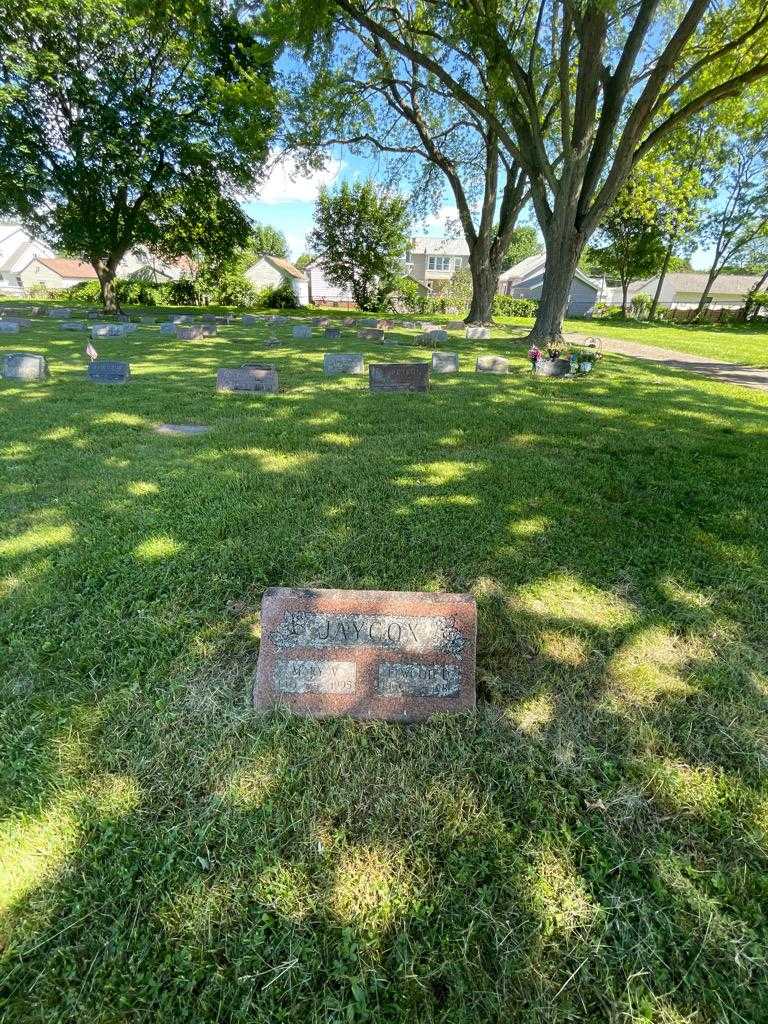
pixel 59 313
pixel 302 331
pixel 335 363
pixel 184 429
pixel 8 327
pixel 492 364
pixel 333 332
pixel 190 332
pixel 398 376
pixel 20 321
pixel 455 325
pixel 247 379
pixel 72 325
pixel 478 333
pixel 108 330
pixel 109 371
pixel 365 653
pixel 434 336
pixel 445 362
pixel 24 366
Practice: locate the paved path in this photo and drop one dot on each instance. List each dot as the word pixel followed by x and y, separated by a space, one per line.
pixel 732 373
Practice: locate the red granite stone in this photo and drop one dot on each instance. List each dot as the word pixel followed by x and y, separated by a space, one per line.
pixel 366 653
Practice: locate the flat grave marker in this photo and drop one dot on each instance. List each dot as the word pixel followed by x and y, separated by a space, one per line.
pixel 445 362
pixel 370 654
pixel 109 371
pixel 337 363
pixel 398 376
pixel 181 429
pixel 247 379
pixel 24 366
pixel 492 364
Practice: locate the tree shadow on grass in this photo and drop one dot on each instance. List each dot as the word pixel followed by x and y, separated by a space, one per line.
pixel 589 845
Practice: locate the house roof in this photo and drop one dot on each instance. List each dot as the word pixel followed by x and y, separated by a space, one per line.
pixel 284 266
pixel 724 284
pixel 424 244
pixel 534 265
pixel 68 268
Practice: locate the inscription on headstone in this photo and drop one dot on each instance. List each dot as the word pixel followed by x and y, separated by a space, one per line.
pixel 335 363
pixel 368 654
pixel 492 364
pixel 247 379
pixel 109 371
pixel 24 366
pixel 445 362
pixel 398 376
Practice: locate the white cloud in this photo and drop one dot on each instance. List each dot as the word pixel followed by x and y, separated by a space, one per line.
pixel 287 183
pixel 446 216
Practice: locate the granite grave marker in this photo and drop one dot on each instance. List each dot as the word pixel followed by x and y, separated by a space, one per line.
pixel 398 376
pixel 492 364
pixel 247 379
pixel 445 362
pixel 335 363
pixel 24 366
pixel 369 654
pixel 109 371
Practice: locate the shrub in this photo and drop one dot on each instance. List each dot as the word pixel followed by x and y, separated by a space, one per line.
pixel 640 306
pixel 280 297
pixel 182 292
pixel 234 290
pixel 85 291
pixel 510 305
pixel 603 311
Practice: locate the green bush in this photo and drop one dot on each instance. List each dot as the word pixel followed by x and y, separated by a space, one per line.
pixel 280 297
pixel 408 297
pixel 182 292
pixel 640 306
pixel 85 291
pixel 510 305
pixel 605 312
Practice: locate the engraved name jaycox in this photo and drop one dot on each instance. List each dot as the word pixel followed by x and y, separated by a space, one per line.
pixel 436 633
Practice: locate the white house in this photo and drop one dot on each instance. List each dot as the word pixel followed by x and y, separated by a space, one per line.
pixel 524 281
pixel 17 250
pixel 272 271
pixel 321 291
pixel 142 265
pixel 55 273
pixel 683 290
pixel 433 261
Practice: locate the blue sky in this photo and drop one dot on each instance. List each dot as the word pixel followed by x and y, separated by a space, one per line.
pixel 286 200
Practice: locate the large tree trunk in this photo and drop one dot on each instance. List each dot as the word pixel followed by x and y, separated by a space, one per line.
pixel 106 273
pixel 660 285
pixel 485 269
pixel 563 252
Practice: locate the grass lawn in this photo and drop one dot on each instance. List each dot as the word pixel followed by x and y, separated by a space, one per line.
pixel 589 846
pixel 732 343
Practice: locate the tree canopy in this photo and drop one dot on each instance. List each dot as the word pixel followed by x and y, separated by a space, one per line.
pixel 361 235
pixel 123 123
pixel 576 94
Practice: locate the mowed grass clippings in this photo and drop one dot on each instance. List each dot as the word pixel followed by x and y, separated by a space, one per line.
pixel 589 846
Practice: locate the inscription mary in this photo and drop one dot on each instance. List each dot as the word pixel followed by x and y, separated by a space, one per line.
pixel 306 676
pixel 415 633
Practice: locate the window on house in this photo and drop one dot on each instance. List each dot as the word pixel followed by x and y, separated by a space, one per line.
pixel 438 263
